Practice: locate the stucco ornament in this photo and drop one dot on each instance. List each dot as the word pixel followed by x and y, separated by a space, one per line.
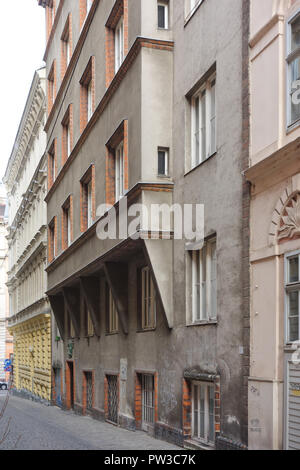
pixel 291 221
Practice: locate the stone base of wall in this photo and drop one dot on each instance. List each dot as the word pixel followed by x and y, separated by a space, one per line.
pixel 127 423
pixel 223 443
pixel 22 393
pixel 167 433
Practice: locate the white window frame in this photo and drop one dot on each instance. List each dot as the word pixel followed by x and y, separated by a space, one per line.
pixel 166 170
pixel 53 167
pixel 165 6
pixel 201 280
pixel 204 124
pixel 119 44
pixel 89 4
pixel 290 56
pixel 196 389
pixel 148 300
pixel 291 287
pixel 68 136
pixel 119 172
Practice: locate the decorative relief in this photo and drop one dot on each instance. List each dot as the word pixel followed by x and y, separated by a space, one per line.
pixel 290 220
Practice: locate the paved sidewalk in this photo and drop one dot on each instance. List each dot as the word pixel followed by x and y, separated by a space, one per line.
pixel 38 427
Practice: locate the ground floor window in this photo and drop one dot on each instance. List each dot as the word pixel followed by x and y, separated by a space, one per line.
pixel 112 398
pixel 89 390
pixel 203 404
pixel 148 399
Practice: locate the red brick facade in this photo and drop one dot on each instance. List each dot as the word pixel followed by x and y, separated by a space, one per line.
pixel 68 400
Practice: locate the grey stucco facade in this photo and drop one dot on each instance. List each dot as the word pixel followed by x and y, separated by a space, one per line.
pixel 152 92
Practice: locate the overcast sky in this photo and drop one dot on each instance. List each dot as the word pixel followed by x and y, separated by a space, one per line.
pixel 22 46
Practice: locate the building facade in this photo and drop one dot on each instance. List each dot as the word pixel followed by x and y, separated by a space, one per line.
pixel 155 331
pixel 30 313
pixel 6 348
pixel 274 383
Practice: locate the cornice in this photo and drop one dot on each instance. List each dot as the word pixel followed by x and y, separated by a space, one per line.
pixel 134 192
pixel 139 43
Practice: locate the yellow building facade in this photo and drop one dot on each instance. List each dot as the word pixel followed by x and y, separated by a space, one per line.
pixel 30 312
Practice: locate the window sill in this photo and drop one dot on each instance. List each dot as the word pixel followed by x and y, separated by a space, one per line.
pixel 200 164
pixel 203 323
pixel 146 330
pixel 291 127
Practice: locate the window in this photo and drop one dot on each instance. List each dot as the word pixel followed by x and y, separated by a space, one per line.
pixel 88 379
pixel 51 86
pixel 163 15
pixel 119 44
pixel 52 164
pixel 203 419
pixel 163 162
pixel 203 122
pixel 204 282
pixel 89 326
pixel 66 46
pixel 67 223
pixel 87 199
pixel 52 240
pixel 292 289
pixel 67 134
pixel 113 321
pixel 293 61
pixel 119 172
pixel 148 300
pixel 148 400
pixel 87 94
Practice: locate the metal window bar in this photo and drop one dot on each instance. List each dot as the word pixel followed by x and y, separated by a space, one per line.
pixel 148 399
pixel 113 398
pixel 89 390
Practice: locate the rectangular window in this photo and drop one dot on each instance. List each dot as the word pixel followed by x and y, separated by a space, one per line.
pixel 148 400
pixel 204 282
pixel 66 46
pixel 119 44
pixel 163 15
pixel 203 122
pixel 87 200
pixel 148 300
pixel 67 134
pixel 51 86
pixel 89 390
pixel 203 415
pixel 52 164
pixel 113 322
pixel 89 326
pixel 67 223
pixel 52 240
pixel 163 162
pixel 87 94
pixel 293 61
pixel 119 172
pixel 292 288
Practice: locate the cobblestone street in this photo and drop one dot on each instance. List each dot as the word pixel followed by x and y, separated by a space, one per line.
pixel 38 427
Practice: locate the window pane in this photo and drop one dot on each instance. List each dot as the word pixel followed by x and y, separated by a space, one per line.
pixel 213 287
pixel 294 269
pixel 295 75
pixel 203 126
pixel 213 117
pixel 161 16
pixel 295 34
pixel 197 129
pixel 202 411
pixel 161 162
pixel 211 436
pixel 293 307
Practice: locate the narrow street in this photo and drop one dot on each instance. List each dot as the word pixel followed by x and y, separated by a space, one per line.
pixel 34 426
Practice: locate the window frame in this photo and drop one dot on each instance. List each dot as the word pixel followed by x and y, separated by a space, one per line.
pixel 113 317
pixel 87 205
pixel 210 148
pixel 119 171
pixel 204 314
pixel 119 44
pixel 208 386
pixel 148 312
pixel 165 5
pixel 166 151
pixel 290 287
